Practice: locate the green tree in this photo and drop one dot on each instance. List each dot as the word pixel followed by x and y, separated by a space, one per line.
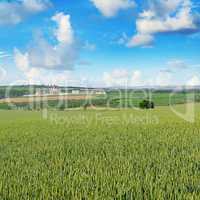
pixel 147 104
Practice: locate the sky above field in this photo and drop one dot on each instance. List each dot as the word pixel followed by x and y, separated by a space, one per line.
pixel 101 43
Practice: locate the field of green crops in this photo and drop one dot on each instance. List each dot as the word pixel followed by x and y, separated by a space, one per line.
pixel 112 99
pixel 103 154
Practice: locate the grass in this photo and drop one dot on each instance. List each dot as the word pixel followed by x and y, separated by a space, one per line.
pixel 116 154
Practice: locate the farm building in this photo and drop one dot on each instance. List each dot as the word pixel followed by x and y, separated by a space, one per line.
pixel 75 91
pixel 57 91
pixel 48 91
pixel 88 91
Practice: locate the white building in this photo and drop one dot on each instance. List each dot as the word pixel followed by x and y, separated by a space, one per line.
pixel 75 91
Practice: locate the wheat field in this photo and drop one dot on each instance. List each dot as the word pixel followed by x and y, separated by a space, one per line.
pixel 117 154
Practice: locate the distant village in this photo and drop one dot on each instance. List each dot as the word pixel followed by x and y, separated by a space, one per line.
pixel 56 91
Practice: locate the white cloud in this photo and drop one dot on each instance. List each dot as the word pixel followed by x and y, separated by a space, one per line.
pixel 164 78
pixel 21 60
pixel 177 64
pixel 166 71
pixel 46 77
pixel 140 40
pixel 194 81
pixel 123 39
pixel 122 78
pixel 3 73
pixel 4 55
pixel 89 46
pixel 14 12
pixel 36 5
pixel 42 54
pixel 163 17
pixel 136 79
pixel 34 75
pixel 64 33
pixel 125 78
pixel 110 8
pixel 117 77
pixel 44 63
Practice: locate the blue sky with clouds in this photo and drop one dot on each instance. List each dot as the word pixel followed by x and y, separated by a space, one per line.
pixel 100 42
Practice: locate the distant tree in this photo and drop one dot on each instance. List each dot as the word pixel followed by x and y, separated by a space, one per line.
pixel 146 104
pixel 85 106
pixel 62 107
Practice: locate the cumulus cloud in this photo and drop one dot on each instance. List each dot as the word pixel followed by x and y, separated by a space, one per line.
pixel 122 78
pixel 117 77
pixel 42 54
pixel 136 78
pixel 35 75
pixel 64 33
pixel 164 78
pixel 3 73
pixel 44 63
pixel 110 8
pixel 126 78
pixel 177 64
pixel 164 17
pixel 21 60
pixel 35 5
pixel 14 12
pixel 194 81
pixel 46 77
pixel 166 71
pixel 141 40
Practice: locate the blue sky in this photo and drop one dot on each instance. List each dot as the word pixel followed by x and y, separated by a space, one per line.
pixel 100 42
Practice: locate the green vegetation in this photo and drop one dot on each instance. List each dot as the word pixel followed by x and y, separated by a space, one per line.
pixel 15 91
pixel 146 104
pixel 21 90
pixel 127 154
pixel 160 98
pixel 113 98
pixel 116 99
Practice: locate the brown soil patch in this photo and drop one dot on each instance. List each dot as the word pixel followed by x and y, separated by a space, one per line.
pixel 45 98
